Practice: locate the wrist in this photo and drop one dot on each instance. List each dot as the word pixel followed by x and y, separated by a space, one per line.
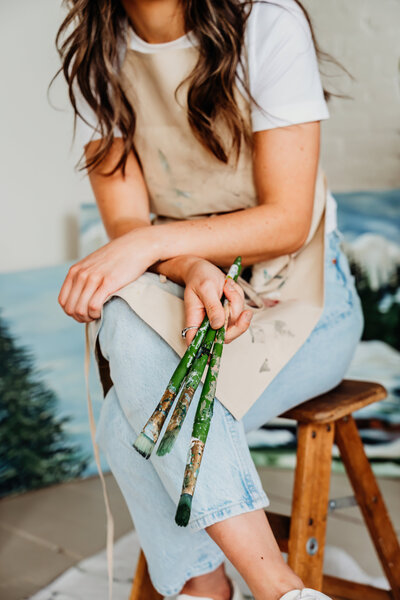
pixel 184 264
pixel 175 268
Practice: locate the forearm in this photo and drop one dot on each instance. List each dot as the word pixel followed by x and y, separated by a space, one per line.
pixel 173 268
pixel 121 226
pixel 256 234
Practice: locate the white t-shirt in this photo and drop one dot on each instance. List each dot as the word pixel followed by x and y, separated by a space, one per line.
pixel 283 74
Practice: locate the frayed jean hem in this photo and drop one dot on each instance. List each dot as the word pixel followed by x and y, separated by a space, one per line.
pixel 201 569
pixel 242 507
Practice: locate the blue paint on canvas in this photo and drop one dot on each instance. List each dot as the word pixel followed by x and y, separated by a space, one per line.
pixel 30 308
pixel 29 305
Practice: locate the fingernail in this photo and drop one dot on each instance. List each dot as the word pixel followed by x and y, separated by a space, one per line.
pixel 249 316
pixel 216 325
pixel 230 284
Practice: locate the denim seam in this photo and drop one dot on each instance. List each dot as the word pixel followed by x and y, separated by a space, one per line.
pixel 346 282
pixel 334 318
pixel 336 253
pixel 203 568
pixel 214 516
pixel 247 477
pixel 351 301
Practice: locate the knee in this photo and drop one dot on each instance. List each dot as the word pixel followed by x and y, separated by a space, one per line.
pixel 121 327
pixel 116 310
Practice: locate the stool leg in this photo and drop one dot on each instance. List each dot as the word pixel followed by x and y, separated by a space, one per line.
pixel 310 502
pixel 142 588
pixel 370 500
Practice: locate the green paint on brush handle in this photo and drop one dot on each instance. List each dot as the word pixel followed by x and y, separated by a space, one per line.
pixel 200 430
pixel 189 388
pixel 154 425
pixel 205 407
pixel 156 421
pixel 219 334
pixel 235 268
pixel 192 467
pixel 189 356
pixel 202 418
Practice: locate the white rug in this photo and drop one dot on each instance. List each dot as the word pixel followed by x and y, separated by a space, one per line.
pixel 87 580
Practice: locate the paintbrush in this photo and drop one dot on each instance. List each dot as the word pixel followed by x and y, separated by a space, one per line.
pixel 192 380
pixel 149 435
pixel 189 387
pixel 201 426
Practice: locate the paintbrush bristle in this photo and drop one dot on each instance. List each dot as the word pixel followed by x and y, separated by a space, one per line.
pixel 183 511
pixel 167 443
pixel 144 445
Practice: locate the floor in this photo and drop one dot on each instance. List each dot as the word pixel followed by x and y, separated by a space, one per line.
pixel 43 533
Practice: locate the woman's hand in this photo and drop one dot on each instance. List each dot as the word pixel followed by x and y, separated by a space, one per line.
pixel 204 287
pixel 91 280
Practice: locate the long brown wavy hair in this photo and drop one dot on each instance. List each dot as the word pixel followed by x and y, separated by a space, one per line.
pixel 89 45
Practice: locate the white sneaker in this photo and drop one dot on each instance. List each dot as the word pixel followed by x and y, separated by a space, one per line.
pixel 236 594
pixel 305 594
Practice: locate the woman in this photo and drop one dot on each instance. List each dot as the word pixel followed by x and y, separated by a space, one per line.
pixel 206 146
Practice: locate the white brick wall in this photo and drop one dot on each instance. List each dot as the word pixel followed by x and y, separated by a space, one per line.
pixel 361 140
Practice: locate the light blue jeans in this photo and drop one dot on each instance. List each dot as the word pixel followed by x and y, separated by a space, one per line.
pixel 141 363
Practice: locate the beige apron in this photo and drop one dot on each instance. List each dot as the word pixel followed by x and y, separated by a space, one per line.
pixel 186 181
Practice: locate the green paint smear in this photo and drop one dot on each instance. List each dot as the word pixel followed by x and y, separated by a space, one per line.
pixel 182 193
pixel 164 161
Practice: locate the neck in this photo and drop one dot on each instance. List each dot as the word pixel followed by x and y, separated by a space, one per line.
pixel 156 21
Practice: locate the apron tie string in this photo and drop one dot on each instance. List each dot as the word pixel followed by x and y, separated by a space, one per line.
pixel 110 520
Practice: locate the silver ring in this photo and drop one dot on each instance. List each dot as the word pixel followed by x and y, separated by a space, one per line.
pixel 186 329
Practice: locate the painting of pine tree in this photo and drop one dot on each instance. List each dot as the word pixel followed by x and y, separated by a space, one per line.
pixel 34 448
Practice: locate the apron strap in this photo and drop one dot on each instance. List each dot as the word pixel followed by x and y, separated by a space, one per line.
pixel 257 297
pixel 110 520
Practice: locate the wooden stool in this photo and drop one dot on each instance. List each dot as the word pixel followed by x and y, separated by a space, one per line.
pixel 321 421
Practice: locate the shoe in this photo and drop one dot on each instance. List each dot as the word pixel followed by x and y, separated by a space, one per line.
pixel 236 594
pixel 305 594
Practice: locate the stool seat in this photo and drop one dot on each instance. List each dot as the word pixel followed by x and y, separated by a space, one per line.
pixel 350 395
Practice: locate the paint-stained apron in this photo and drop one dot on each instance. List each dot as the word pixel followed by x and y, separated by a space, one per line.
pixel 185 181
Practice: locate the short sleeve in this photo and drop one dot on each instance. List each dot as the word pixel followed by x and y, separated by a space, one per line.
pixel 283 69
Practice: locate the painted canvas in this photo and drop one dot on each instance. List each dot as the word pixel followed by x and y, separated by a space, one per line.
pixel 370 224
pixel 44 428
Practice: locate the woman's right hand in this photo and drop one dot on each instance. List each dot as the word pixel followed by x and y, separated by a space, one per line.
pixel 204 286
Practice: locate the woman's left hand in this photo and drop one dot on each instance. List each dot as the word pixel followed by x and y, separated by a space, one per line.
pixel 204 285
pixel 91 280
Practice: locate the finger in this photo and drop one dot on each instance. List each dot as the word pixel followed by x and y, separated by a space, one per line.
pixel 235 295
pixel 241 325
pixel 82 310
pixel 67 285
pixel 210 298
pixel 227 312
pixel 106 287
pixel 232 284
pixel 194 313
pixel 189 336
pixel 78 283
